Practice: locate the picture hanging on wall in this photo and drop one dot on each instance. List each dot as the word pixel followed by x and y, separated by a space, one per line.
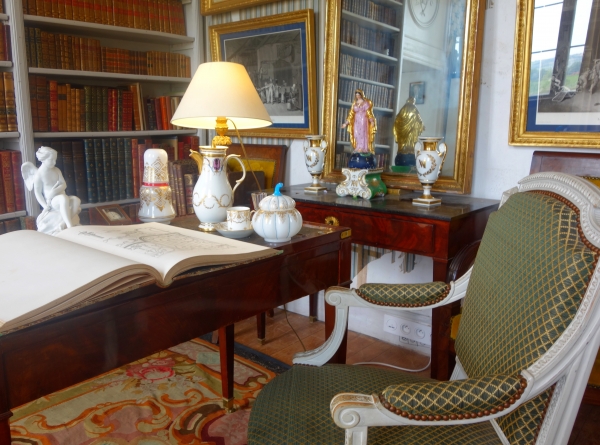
pixel 417 90
pixel 278 52
pixel 210 7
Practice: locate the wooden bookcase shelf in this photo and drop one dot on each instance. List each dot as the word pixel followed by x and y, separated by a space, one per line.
pixel 366 22
pixel 11 215
pixel 6 64
pixel 27 141
pixel 75 74
pixel 98 204
pixel 108 31
pixel 372 82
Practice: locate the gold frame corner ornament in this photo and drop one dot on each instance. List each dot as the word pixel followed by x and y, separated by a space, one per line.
pixel 305 16
pixel 461 180
pixel 518 134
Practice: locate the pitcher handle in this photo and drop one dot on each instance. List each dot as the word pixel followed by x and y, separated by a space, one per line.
pixel 442 151
pixel 239 181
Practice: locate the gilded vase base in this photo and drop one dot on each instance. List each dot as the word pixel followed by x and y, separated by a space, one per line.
pixel 208 227
pixel 314 189
pixel 426 202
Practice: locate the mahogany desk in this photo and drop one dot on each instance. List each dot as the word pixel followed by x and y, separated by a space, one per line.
pixel 392 222
pixel 82 344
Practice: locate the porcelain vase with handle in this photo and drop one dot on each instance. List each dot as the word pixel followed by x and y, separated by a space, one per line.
pixel 430 154
pixel 212 193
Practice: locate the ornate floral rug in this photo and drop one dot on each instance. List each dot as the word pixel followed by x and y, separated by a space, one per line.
pixel 172 397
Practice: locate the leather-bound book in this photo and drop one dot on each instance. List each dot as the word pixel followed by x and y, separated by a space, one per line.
pixel 42 103
pixel 135 167
pixel 3 116
pixel 188 184
pixel 9 97
pixel 127 111
pixel 128 168
pixel 2 228
pixel 62 107
pixel 68 170
pixel 33 102
pixel 18 180
pixel 90 170
pixel 121 184
pixel 7 179
pixel 100 181
pixel 2 199
pixel 88 107
pixel 151 114
pixel 57 145
pixel 68 9
pixel 70 105
pixel 12 225
pixel 53 98
pixel 181 206
pixel 104 108
pixel 79 169
pixel 108 171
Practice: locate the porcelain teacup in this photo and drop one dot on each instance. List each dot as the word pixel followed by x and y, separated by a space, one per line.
pixel 239 218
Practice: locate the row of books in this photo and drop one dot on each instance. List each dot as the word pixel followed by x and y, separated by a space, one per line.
pixel 371 10
pixel 12 197
pixel 8 107
pixel 21 223
pixel 65 107
pixel 379 41
pixel 342 158
pixel 381 97
pixel 62 51
pixel 385 124
pixel 5 46
pixel 366 69
pixel 183 175
pixel 154 15
pixel 111 169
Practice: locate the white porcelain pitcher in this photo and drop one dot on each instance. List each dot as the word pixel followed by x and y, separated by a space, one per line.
pixel 212 193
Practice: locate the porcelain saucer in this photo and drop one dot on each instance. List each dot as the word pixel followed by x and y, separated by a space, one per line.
pixel 236 234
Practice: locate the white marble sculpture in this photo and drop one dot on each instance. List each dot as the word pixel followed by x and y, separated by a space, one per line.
pixel 47 182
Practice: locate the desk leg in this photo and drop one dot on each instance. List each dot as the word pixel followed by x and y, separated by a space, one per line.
pixel 440 335
pixel 340 355
pixel 261 324
pixel 313 305
pixel 226 335
pixel 5 428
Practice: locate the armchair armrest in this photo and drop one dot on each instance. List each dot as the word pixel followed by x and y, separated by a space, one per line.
pixel 404 295
pixel 457 399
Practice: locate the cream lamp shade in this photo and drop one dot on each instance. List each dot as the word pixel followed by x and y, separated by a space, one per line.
pixel 221 90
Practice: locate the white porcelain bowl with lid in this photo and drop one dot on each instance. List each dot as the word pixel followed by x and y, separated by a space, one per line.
pixel 277 219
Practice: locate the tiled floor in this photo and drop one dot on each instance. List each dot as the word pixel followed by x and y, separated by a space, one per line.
pixel 282 344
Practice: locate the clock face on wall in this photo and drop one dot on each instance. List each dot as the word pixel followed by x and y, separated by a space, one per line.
pixel 424 11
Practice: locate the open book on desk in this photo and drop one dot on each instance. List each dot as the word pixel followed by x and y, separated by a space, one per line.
pixel 42 275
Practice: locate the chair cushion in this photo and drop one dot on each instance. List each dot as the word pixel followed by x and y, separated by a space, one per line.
pixel 294 409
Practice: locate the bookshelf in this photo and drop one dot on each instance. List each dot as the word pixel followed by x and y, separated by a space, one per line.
pixel 369 59
pixel 26 140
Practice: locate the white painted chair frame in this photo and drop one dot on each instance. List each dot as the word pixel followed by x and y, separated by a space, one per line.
pixel 567 363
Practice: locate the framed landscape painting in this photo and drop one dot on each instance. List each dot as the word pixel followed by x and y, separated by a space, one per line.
pixel 279 54
pixel 556 74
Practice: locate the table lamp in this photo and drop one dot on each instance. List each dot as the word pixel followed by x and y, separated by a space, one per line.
pixel 221 93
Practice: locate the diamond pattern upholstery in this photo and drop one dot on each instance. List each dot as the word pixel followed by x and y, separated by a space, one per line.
pixel 293 409
pixel 407 295
pixel 455 397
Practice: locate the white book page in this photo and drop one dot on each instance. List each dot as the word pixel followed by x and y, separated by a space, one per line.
pixel 39 272
pixel 164 247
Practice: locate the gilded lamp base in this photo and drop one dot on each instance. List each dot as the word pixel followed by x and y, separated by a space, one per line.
pixel 207 227
pixel 426 199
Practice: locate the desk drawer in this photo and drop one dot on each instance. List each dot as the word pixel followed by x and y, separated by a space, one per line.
pixel 389 232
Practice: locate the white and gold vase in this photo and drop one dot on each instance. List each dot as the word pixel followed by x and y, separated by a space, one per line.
pixel 212 193
pixel 155 193
pixel 430 154
pixel 315 150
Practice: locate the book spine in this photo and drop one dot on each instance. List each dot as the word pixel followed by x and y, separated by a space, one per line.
pixel 12 225
pixel 129 192
pixel 181 206
pixel 135 167
pixel 100 180
pixel 18 180
pixel 90 170
pixel 57 146
pixel 68 170
pixel 53 94
pixel 42 102
pixel 79 170
pixel 188 183
pixel 173 185
pixel 7 179
pixel 3 115
pixel 108 172
pixel 2 199
pixel 120 110
pixel 9 97
pixel 140 155
pixel 122 183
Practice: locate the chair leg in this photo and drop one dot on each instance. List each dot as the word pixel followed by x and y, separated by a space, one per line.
pixel 270 313
pixel 313 306
pixel 261 323
pixel 5 438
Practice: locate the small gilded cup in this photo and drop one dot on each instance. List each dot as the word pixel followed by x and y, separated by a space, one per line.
pixel 239 218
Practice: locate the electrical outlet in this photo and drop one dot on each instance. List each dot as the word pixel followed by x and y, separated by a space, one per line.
pixel 407 329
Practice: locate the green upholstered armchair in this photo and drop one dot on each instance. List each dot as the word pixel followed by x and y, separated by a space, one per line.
pixel 527 340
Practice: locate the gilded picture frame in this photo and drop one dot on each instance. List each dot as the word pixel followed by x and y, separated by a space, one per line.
pixel 538 117
pixel 461 179
pixel 210 7
pixel 278 52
